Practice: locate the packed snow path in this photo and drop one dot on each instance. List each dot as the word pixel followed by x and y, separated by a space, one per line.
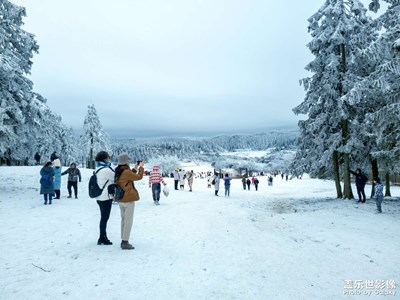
pixel 289 241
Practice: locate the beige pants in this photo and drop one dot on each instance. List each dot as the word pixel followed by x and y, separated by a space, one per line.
pixel 127 210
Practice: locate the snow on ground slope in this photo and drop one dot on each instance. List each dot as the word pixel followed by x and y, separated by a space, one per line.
pixel 289 241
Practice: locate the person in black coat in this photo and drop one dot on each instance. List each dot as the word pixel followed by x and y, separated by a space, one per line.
pixel 361 180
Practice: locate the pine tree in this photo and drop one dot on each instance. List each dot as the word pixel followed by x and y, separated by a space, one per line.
pixel 95 139
pixel 16 51
pixel 338 31
pixel 379 93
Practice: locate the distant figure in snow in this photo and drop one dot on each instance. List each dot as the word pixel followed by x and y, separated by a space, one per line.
pixel 176 178
pixel 182 177
pixel 378 194
pixel 282 175
pixel 190 178
pixel 252 179
pixel 209 181
pixel 227 184
pixel 216 184
pixel 73 176
pixel 57 177
pixel 155 180
pixel 256 182
pixel 37 158
pixel 244 182
pixel 361 180
pixel 54 156
pixel 47 182
pixel 287 177
pixel 248 182
pixel 270 179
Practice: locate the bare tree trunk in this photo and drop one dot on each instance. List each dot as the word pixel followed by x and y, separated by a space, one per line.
pixel 375 173
pixel 335 161
pixel 347 192
pixel 387 184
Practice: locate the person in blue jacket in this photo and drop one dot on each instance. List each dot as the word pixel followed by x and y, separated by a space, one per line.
pixel 57 178
pixel 47 182
pixel 227 184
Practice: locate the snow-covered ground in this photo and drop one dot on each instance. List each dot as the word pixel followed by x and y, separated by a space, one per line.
pixel 289 241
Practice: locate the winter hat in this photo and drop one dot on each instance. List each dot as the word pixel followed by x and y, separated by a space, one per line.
pixel 124 159
pixel 57 163
pixel 156 168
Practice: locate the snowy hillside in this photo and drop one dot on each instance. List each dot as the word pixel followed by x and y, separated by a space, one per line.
pixel 288 241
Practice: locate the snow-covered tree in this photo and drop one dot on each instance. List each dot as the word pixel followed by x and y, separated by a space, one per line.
pixel 94 139
pixel 338 30
pixel 16 51
pixel 379 93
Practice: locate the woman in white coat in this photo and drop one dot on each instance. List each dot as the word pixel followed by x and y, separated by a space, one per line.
pixel 105 177
pixel 216 184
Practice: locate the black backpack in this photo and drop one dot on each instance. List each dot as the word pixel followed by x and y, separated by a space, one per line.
pixel 94 189
pixel 115 191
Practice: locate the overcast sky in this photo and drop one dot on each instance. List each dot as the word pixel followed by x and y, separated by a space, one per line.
pixel 172 66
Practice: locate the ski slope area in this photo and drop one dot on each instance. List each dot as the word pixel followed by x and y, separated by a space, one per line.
pixel 293 240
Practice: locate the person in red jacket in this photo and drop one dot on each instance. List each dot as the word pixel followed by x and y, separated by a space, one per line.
pixel 155 180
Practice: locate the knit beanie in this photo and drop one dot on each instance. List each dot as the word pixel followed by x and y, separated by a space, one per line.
pixel 57 163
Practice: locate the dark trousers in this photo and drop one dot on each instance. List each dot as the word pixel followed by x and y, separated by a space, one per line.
pixel 57 192
pixel 176 184
pixel 45 198
pixel 360 192
pixel 256 185
pixel 73 184
pixel 105 209
pixel 156 190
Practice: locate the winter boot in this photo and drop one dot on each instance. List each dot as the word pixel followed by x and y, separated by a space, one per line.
pixel 156 202
pixel 103 240
pixel 126 246
pixel 69 196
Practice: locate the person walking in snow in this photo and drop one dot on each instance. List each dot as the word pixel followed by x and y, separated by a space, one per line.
pixel 248 182
pixel 74 174
pixel 256 182
pixel 57 178
pixel 244 182
pixel 155 180
pixel 361 180
pixel 176 178
pixel 47 182
pixel 216 184
pixel 125 177
pixel 227 184
pixel 270 179
pixel 105 177
pixel 182 177
pixel 190 178
pixel 378 194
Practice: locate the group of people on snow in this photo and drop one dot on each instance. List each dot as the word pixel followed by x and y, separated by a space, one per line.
pixel 179 179
pixel 125 177
pixel 50 180
pixel 361 181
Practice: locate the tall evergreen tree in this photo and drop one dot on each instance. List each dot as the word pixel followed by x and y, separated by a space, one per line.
pixel 16 51
pixel 94 138
pixel 337 30
pixel 379 93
